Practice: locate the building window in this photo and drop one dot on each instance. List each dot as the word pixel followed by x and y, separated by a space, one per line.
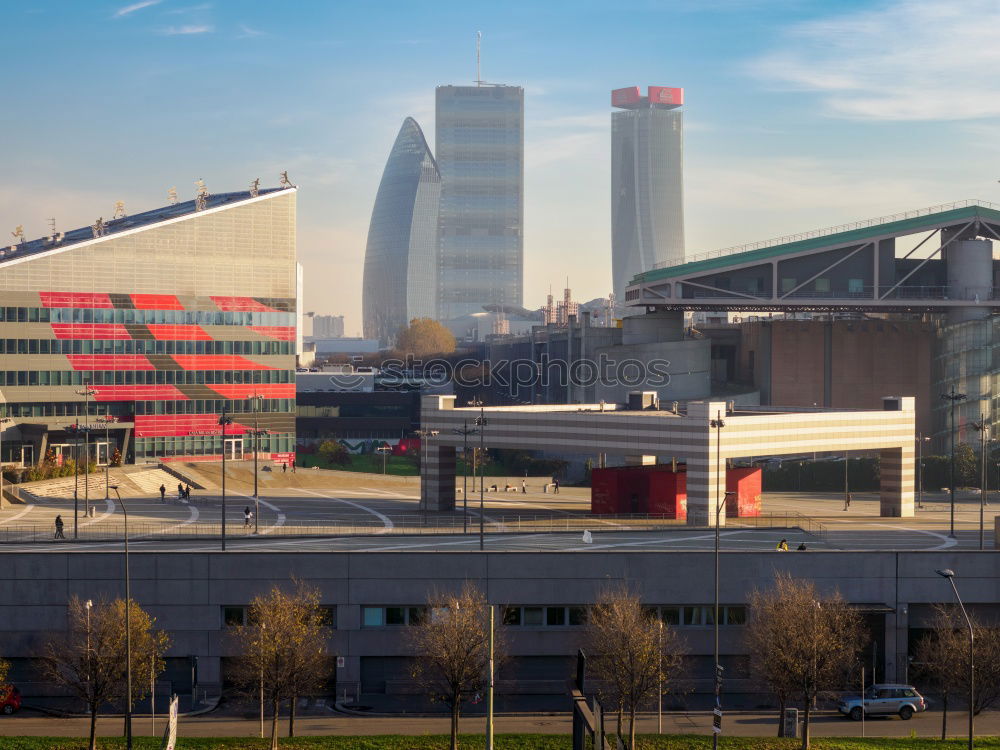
pixel 377 617
pixel 233 616
pixel 546 617
pixel 701 615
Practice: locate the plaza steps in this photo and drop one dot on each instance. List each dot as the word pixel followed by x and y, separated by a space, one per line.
pixel 131 483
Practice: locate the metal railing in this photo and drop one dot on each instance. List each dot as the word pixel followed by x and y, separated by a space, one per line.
pixel 409 525
pixel 825 231
pixel 861 295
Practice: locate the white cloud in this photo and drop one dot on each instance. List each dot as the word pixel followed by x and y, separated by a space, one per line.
pixel 125 10
pixel 203 28
pixel 907 60
pixel 246 32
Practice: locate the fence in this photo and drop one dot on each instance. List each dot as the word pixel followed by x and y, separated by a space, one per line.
pixel 403 525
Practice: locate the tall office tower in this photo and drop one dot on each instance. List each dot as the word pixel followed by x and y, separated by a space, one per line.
pixel 401 258
pixel 480 152
pixel 647 195
pixel 328 326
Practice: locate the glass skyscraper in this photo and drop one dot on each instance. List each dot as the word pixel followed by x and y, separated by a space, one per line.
pixel 400 280
pixel 647 170
pixel 480 152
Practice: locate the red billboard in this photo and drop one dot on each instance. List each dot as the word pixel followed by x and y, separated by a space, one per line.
pixel 666 95
pixel 625 97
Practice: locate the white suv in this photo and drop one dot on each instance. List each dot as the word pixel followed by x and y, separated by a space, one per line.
pixel 882 700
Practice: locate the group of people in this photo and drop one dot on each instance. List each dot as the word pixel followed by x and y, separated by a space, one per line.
pixel 783 546
pixel 183 492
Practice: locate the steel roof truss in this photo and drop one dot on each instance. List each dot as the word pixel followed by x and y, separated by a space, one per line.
pixel 831 266
pixel 727 292
pixel 924 261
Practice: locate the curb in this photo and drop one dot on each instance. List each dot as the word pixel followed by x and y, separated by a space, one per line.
pixel 213 704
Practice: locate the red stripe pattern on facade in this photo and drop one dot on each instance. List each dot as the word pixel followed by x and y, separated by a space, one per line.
pixel 241 304
pixel 109 362
pixel 177 332
pixel 156 302
pixel 217 362
pixel 114 331
pixel 248 390
pixel 75 299
pixel 137 393
pixel 281 333
pixel 183 425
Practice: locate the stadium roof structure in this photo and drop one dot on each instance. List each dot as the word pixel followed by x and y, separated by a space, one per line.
pixel 852 267
pixel 21 251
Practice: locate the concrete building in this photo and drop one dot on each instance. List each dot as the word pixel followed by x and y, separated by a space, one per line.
pixel 400 278
pixel 647 182
pixel 642 432
pixel 160 321
pixel 328 326
pixel 480 151
pixel 197 597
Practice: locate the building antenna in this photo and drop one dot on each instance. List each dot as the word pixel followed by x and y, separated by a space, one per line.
pixel 479 75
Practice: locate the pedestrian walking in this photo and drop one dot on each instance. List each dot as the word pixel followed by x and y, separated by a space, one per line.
pixel 847 501
pixel 163 494
pixel 293 467
pixel 187 491
pixel 782 546
pixel 180 491
pixel 247 518
pixel 524 487
pixel 801 547
pixel 284 468
pixel 59 528
pixel 555 485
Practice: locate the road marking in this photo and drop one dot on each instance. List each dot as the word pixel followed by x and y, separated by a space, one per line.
pixel 661 540
pixel 109 504
pixel 194 515
pixel 279 520
pixel 24 512
pixel 386 521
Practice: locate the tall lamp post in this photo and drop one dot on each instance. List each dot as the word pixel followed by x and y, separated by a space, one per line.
pixel 720 497
pixel 87 392
pixel 950 575
pixel 3 420
pixel 921 439
pixel 953 398
pixel 465 431
pixel 128 632
pixel 108 420
pixel 385 450
pixel 984 429
pixel 423 444
pixel 481 423
pixel 257 432
pixel 223 421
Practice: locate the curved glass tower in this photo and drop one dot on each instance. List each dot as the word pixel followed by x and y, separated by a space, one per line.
pixel 400 281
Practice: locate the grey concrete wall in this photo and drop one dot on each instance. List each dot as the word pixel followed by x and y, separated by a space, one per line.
pixel 187 591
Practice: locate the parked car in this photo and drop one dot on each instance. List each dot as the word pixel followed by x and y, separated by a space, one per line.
pixel 885 699
pixel 10 699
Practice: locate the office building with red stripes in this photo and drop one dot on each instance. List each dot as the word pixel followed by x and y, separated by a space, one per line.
pixel 145 329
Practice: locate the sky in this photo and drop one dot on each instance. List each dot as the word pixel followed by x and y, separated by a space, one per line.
pixel 799 114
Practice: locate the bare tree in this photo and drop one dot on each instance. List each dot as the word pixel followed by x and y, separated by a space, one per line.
pixel 282 650
pixel 942 657
pixel 452 645
pixel 634 654
pixel 89 659
pixel 802 644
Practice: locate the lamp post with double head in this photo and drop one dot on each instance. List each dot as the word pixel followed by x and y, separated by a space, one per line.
pixel 921 439
pixel 952 398
pixel 108 421
pixel 223 422
pixel 983 427
pixel 3 420
pixel 720 498
pixel 481 423
pixel 128 631
pixel 950 575
pixel 257 401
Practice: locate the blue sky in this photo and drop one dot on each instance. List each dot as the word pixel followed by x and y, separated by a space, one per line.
pixel 799 114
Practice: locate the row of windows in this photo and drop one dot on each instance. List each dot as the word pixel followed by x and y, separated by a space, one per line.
pixel 143 377
pixel 111 346
pixel 563 616
pixel 214 406
pixel 233 616
pixel 178 317
pixel 237 447
pixel 358 411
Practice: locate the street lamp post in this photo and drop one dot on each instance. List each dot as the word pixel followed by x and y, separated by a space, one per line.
pixel 481 423
pixel 953 398
pixel 465 432
pixel 423 444
pixel 223 421
pixel 257 432
pixel 921 439
pixel 128 632
pixel 983 427
pixel 263 626
pixel 90 661
pixel 950 575
pixel 108 421
pixel 659 676
pixel 720 497
pixel 3 420
pixel 87 392
pixel 385 450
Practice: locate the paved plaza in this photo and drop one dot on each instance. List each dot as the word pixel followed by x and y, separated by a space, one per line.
pixel 318 511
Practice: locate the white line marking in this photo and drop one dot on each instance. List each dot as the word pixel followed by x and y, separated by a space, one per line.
pixel 24 512
pixel 109 504
pixel 386 521
pixel 279 521
pixel 661 540
pixel 195 513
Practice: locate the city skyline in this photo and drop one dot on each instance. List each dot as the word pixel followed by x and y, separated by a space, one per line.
pixel 800 115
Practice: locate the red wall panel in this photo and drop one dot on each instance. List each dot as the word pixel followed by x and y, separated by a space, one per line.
pixel 156 302
pixel 241 304
pixel 137 393
pixel 217 362
pixel 746 483
pixel 91 331
pixel 109 362
pixel 75 299
pixel 177 332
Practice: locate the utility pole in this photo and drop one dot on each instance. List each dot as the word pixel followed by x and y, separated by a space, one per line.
pixel 489 685
pixel 717 424
pixel 223 421
pixel 465 432
pixel 953 398
pixel 983 429
pixel 481 424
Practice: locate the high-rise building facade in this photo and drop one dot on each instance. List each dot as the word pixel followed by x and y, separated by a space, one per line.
pixel 647 171
pixel 147 328
pixel 480 152
pixel 400 278
pixel 328 326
